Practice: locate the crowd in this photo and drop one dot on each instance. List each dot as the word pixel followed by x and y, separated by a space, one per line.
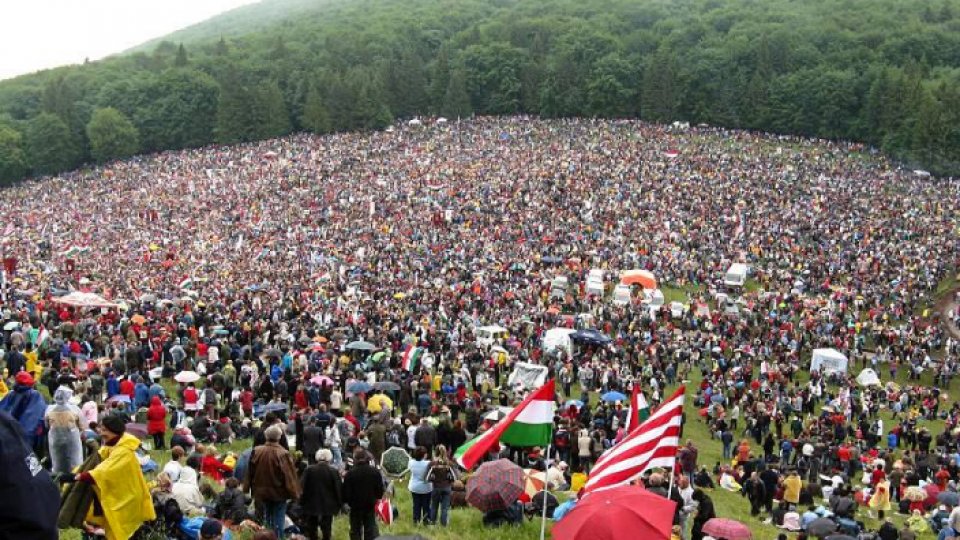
pixel 293 277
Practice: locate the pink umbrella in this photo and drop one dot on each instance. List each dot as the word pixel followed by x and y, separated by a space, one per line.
pixel 727 529
pixel 321 380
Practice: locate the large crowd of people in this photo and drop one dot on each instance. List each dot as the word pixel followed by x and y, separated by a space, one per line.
pixel 293 275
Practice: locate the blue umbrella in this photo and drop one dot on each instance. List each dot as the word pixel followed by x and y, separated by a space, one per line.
pixel 575 402
pixel 613 396
pixel 550 259
pixel 718 398
pixel 359 387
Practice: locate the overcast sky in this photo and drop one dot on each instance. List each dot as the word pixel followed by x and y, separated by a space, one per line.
pixel 40 34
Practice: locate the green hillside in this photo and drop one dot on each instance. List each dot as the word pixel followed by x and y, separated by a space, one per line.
pixel 884 72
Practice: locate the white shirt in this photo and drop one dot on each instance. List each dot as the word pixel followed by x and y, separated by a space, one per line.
pixel 173 469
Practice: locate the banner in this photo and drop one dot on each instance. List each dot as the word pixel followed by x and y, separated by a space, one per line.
pixel 527 376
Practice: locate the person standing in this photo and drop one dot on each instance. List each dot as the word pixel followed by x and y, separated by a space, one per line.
pixel 64 425
pixel 125 502
pixel 442 477
pixel 362 488
pixel 420 486
pixel 271 478
pixel 322 495
pixel 157 422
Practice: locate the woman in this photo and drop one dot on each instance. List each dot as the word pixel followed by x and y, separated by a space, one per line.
pixel 124 500
pixel 583 449
pixel 213 467
pixel 705 512
pixel 157 422
pixel 191 400
pixel 880 501
pixel 63 421
pixel 186 491
pixel 442 477
pixel 421 489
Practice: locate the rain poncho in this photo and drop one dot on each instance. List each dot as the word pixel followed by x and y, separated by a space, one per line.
pixel 28 407
pixel 64 424
pixel 121 489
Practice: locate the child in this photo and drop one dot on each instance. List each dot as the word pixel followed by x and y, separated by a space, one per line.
pixel 231 504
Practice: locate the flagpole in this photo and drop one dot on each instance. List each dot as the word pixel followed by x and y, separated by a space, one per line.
pixel 546 487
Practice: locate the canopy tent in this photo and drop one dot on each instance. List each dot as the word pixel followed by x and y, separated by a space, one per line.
pixel 868 377
pixel 828 361
pixel 643 278
pixel 85 299
pixel 558 339
pixel 528 376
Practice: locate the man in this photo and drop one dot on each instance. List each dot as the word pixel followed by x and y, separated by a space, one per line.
pixel 377 435
pixel 322 497
pixel 362 488
pixel 211 530
pixel 425 436
pixel 688 459
pixel 272 479
pixel 31 500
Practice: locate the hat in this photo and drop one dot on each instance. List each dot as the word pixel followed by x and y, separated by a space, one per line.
pixel 211 528
pixel 114 423
pixel 24 378
pixel 562 465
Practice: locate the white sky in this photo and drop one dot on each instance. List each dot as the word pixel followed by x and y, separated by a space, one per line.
pixel 40 34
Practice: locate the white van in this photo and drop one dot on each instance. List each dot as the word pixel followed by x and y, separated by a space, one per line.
pixel 621 295
pixel 488 335
pixel 736 276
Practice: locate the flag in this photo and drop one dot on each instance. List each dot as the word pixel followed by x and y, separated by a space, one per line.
pixel 653 444
pixel 411 357
pixel 42 336
pixel 186 283
pixel 639 410
pixel 529 424
pixel 384 510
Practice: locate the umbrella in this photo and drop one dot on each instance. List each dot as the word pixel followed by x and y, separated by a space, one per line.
pixel 840 537
pixel 616 513
pixel 575 402
pixel 497 414
pixel 728 529
pixel 320 339
pixel 377 357
pixel 359 387
pixel 915 494
pixel 321 380
pixel 822 527
pixel 378 402
pixel 12 325
pixel 386 386
pixel 137 430
pixel 613 396
pixel 591 336
pixel 550 259
pixel 187 377
pixel 221 332
pixel 950 498
pixel 119 398
pixel 260 410
pixel 273 352
pixel 496 485
pixel 395 461
pixel 361 346
pixel 138 319
pixel 933 491
pixel 533 483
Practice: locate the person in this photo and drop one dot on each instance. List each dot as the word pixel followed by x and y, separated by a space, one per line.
pixel 211 530
pixel 425 435
pixel 420 486
pixel 362 488
pixel 118 483
pixel 175 465
pixel 880 500
pixel 271 477
pixel 186 490
pixel 30 498
pixel 705 512
pixel 157 422
pixel 26 404
pixel 63 439
pixel 441 476
pixel 322 495
pixel 231 503
pixel 791 488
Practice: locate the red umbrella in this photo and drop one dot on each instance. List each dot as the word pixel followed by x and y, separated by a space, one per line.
pixel 497 485
pixel 727 529
pixel 620 513
pixel 932 491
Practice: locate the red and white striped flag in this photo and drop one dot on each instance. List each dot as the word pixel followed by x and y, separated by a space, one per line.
pixel 653 444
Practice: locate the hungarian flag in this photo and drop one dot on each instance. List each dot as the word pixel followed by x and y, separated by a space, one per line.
pixel 186 283
pixel 411 358
pixel 42 336
pixel 384 510
pixel 529 424
pixel 639 410
pixel 653 444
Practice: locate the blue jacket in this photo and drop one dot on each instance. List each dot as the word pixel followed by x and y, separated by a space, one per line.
pixel 27 407
pixel 31 500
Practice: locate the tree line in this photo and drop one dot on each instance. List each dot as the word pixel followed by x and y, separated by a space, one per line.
pixel 885 72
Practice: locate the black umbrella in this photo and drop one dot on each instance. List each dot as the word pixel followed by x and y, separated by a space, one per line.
pixel 840 537
pixel 821 527
pixel 951 498
pixel 273 353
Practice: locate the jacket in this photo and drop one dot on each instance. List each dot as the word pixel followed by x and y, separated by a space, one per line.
pixel 156 417
pixel 362 488
pixel 77 497
pixel 121 489
pixel 27 406
pixel 271 474
pixel 30 498
pixel 322 490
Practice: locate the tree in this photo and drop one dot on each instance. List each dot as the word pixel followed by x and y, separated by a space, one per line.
pixel 49 145
pixel 661 89
pixel 456 100
pixel 316 117
pixel 181 60
pixel 112 135
pixel 13 160
pixel 250 111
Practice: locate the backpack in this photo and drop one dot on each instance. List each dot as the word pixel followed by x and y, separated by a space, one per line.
pixel 393 438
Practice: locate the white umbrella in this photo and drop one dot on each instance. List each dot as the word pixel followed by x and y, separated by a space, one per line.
pixel 187 377
pixel 12 325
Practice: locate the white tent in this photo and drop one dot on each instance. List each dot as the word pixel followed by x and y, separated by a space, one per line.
pixel 558 339
pixel 828 361
pixel 527 376
pixel 868 377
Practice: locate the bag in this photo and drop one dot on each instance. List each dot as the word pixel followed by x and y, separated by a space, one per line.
pixel 393 438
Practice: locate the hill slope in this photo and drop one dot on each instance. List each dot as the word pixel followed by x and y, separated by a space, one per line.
pixel 884 72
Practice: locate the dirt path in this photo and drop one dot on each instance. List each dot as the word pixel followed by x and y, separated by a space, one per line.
pixel 947 305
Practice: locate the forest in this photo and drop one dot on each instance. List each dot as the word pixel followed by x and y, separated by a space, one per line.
pixel 883 72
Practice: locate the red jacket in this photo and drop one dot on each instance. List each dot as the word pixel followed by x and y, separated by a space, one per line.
pixel 127 388
pixel 156 417
pixel 213 467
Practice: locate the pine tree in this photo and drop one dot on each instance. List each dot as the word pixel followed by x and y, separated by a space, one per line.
pixel 181 59
pixel 456 100
pixel 111 135
pixel 316 117
pixel 13 160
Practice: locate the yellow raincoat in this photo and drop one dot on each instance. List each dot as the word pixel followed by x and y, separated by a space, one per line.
pixel 3 388
pixel 121 489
